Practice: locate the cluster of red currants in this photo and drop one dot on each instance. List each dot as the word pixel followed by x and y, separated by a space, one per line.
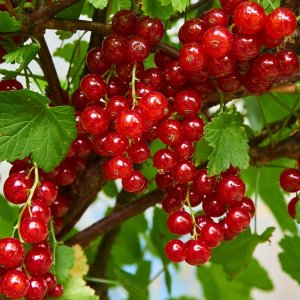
pixel 220 198
pixel 225 53
pixel 290 182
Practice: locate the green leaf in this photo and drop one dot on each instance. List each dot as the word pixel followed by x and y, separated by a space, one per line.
pixel 255 275
pixel 290 256
pixel 120 4
pixel 180 5
pixel 236 255
pixel 127 280
pixel 100 4
pixel 254 114
pixel 8 217
pixel 75 288
pixel 216 285
pixel 23 55
pixel 8 23
pixel 227 137
pixel 110 189
pixel 270 193
pixel 29 126
pixel 63 34
pixel 298 212
pixel 154 8
pixel 72 12
pixel 64 261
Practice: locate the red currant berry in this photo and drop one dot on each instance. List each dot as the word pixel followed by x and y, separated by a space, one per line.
pixel 50 280
pixel 82 146
pixel 217 41
pixel 202 220
pixel 16 188
pixel 212 206
pixel 37 288
pixel 124 22
pixel 204 184
pixel 292 206
pixel 60 206
pixel 230 5
pixel 155 78
pixel 215 17
pixel 151 29
pixel 249 17
pixel 130 124
pixel 179 191
pixel 79 100
pixel 137 49
pixel 116 144
pixel 57 292
pixel 192 128
pixel 135 182
pixel 10 85
pixel 164 181
pixel 230 190
pixel 58 225
pixel 96 61
pixel 46 191
pixel 171 203
pixel 39 209
pixel 184 149
pixel 14 284
pixel 197 252
pixel 38 261
pixel 93 86
pixel 113 48
pixel 255 85
pixel 280 22
pixel 184 171
pixel 94 120
pixel 211 234
pixel 175 250
pixel 180 222
pixel 248 205
pixel 268 41
pixel 228 234
pixel 66 173
pixel 164 160
pixel 169 132
pixel 33 230
pixel 161 59
pixel 290 180
pixel 116 105
pixel 119 167
pixel 237 219
pixel 188 102
pixel 288 62
pixel 230 83
pixel 192 57
pixel 139 152
pixel 11 253
pixel 192 31
pixel 175 75
pixel 98 143
pixel 116 87
pixel 194 198
pixel 124 70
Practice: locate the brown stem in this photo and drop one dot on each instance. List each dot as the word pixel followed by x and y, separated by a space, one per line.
pixel 116 218
pixel 50 10
pixel 83 192
pixel 55 91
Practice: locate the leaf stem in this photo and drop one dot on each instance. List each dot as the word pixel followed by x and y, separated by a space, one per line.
pixel 101 280
pixel 133 80
pixel 187 200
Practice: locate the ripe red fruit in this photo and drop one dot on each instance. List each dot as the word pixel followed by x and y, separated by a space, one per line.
pixel 93 86
pixel 188 102
pixel 137 49
pixel 138 152
pixel 46 191
pixel 66 173
pixel 113 48
pixel 38 261
pixel 11 253
pixel 204 184
pixel 57 292
pixel 212 206
pixel 179 190
pixel 171 203
pixel 202 220
pixel 197 252
pixel 124 22
pixel 221 66
pixel 292 206
pixel 211 234
pixel 161 59
pixel 119 167
pixel 180 222
pixel 164 181
pixel 94 120
pixel 194 198
pixel 50 280
pixel 248 205
pixel 230 83
pixel 192 128
pixel 151 29
pixel 39 209
pixel 98 144
pixel 175 250
pixel 230 190
pixel 10 85
pixel 192 57
pixel 290 180
pixel 154 77
pixel 153 106
pixel 116 143
pixel 288 62
pixel 228 234
pixel 230 5
pixel 184 149
pixel 249 17
pixel 33 230
pixel 116 87
pixel 14 284
pixel 130 124
pixel 184 171
pixel 217 41
pixel 16 188
pixel 280 22
pixel 169 132
pixel 215 17
pixel 237 219
pixel 37 288
pixel 164 160
pixel 175 75
pixel 96 61
pixel 60 206
pixel 192 31
pixel 135 182
pixel 116 105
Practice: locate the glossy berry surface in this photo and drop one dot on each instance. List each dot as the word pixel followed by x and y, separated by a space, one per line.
pixel 14 284
pixel 10 85
pixel 180 222
pixel 288 62
pixel 211 234
pixel 171 203
pixel 212 206
pixel 137 49
pixel 290 180
pixel 204 184
pixel 192 128
pixel 113 48
pixel 249 17
pixel 33 230
pixel 11 253
pixel 266 67
pixel 230 190
pixel 215 17
pixel 96 61
pixel 230 5
pixel 164 160
pixel 124 22
pixel 184 171
pixel 38 261
pixel 116 144
pixel 248 205
pixel 16 188
pixel 39 209
pixel 175 250
pixel 135 182
pixel 46 191
pixel 60 206
pixel 93 86
pixel 217 41
pixel 192 31
pixel 292 207
pixel 237 219
pixel 169 132
pixel 139 152
pixel 37 288
pixel 119 167
pixel 50 280
pixel 57 292
pixel 197 252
